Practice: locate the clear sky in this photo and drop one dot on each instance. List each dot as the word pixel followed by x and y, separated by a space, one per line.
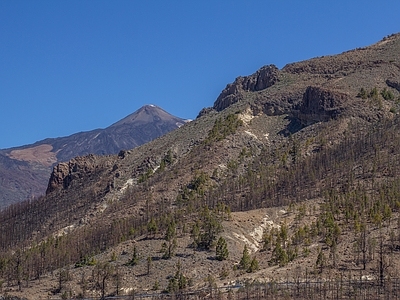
pixel 70 66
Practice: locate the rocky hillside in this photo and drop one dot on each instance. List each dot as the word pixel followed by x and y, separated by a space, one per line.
pixel 288 186
pixel 24 171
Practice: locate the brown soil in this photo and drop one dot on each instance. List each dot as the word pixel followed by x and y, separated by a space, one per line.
pixel 40 154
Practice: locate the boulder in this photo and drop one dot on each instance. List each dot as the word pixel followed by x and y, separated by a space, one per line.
pixel 393 84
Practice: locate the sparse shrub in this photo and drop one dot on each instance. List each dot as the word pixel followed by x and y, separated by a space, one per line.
pixel 142 178
pixel 373 94
pixel 166 161
pixel 232 165
pixel 362 94
pixel 223 127
pixel 131 231
pixel 156 286
pixel 210 280
pixel 387 94
pixel 64 295
pixel 224 273
pixel 86 261
pixel 113 256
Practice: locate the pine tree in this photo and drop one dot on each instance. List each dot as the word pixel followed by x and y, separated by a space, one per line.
pixel 135 258
pixel 320 263
pixel 253 266
pixel 245 260
pixel 168 247
pixel 221 250
pixel 152 227
pixel 149 264
pixel 177 282
pixel 206 229
pixel 279 255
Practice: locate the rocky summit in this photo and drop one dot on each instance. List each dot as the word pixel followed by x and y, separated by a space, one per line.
pixel 287 186
pixel 25 170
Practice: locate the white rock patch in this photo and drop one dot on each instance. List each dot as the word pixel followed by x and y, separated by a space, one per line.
pixel 254 240
pixel 128 183
pixel 64 231
pixel 251 134
pixel 252 245
pixel 246 117
pixel 257 232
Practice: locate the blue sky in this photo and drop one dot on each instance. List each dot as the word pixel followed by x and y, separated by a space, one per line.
pixel 70 66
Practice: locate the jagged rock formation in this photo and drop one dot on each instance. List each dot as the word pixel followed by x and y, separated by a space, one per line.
pixel 64 173
pixel 262 79
pixel 320 105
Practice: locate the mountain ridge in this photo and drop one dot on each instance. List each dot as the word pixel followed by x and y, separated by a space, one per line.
pixel 303 174
pixel 38 158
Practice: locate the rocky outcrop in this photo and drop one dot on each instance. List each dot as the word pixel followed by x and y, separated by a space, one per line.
pixel 262 79
pixel 321 104
pixel 393 84
pixel 65 173
pixel 205 111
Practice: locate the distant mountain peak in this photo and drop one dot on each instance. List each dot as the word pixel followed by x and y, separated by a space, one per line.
pixel 148 113
pixel 147 123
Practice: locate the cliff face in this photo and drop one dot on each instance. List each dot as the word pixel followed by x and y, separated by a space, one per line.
pixel 66 172
pixel 262 79
pixel 319 104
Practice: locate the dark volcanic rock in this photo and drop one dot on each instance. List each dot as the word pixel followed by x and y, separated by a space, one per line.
pixel 205 111
pixel 393 84
pixel 320 104
pixel 262 79
pixel 64 173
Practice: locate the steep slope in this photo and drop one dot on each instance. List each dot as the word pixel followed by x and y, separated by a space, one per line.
pixel 301 165
pixel 24 171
